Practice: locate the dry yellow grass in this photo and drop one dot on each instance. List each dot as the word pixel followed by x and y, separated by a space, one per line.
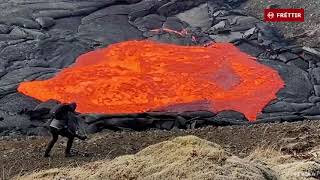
pixel 191 158
pixel 269 156
pixel 300 170
pixel 181 158
pixel 285 166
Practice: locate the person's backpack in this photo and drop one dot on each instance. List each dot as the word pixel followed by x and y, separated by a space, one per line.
pixel 60 112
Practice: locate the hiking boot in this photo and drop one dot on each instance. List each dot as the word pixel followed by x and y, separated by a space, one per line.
pixel 82 137
pixel 46 155
pixel 69 155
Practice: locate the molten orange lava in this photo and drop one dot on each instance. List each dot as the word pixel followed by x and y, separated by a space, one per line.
pixel 138 76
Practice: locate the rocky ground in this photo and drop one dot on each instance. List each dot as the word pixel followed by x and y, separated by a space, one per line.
pixel 190 157
pixel 45 37
pixel 24 155
pixel 306 33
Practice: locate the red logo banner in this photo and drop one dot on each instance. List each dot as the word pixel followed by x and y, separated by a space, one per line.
pixel 284 15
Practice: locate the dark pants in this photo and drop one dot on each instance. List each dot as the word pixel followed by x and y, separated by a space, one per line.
pixel 55 134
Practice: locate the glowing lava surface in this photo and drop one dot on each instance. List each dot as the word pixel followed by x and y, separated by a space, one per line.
pixel 140 76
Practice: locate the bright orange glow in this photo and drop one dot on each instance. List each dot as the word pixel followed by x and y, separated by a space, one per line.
pixel 139 76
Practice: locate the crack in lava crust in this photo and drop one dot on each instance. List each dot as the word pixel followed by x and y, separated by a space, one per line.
pixel 139 76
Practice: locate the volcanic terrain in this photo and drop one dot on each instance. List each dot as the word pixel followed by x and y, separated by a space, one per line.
pixel 45 38
pixel 39 40
pixel 23 155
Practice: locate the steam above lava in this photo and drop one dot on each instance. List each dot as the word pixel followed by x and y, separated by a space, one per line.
pixel 139 76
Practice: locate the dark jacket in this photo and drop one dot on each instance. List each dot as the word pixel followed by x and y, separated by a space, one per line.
pixel 63 117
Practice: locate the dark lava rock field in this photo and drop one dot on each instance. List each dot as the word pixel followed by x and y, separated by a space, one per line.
pixel 39 38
